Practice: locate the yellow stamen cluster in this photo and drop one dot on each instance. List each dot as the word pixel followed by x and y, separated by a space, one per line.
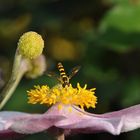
pixel 66 95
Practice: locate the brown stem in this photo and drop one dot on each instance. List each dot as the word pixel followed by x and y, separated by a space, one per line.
pixel 59 134
pixel 60 137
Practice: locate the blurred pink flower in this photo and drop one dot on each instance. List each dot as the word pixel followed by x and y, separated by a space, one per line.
pixel 71 119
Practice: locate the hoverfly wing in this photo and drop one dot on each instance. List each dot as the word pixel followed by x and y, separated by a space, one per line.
pixel 54 75
pixel 51 74
pixel 74 71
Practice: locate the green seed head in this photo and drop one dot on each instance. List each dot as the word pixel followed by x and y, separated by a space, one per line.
pixel 31 45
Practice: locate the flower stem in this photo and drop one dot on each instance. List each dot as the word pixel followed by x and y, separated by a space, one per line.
pixel 60 137
pixel 59 134
pixel 17 73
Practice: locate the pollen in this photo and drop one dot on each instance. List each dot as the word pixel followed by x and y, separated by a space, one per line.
pixel 67 95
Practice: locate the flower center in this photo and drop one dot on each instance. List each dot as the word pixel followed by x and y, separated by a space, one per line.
pixel 66 95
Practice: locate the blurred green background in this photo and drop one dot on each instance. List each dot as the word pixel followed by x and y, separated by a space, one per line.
pixel 103 36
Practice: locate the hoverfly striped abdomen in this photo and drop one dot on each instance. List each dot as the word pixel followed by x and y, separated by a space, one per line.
pixel 63 76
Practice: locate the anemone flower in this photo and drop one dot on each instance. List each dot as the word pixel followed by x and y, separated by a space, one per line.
pixel 66 115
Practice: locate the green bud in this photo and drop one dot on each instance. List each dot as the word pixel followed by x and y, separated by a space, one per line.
pixel 30 45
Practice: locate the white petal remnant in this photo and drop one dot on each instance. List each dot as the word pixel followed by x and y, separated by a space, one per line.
pixel 37 67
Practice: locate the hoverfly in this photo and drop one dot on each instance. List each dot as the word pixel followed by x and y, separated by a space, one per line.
pixel 63 78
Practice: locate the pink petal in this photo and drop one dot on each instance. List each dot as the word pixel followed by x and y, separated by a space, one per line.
pixel 115 122
pixel 72 120
pixel 35 123
pixel 7 118
pixel 25 123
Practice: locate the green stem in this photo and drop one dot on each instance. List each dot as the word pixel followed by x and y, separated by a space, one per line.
pixel 17 73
